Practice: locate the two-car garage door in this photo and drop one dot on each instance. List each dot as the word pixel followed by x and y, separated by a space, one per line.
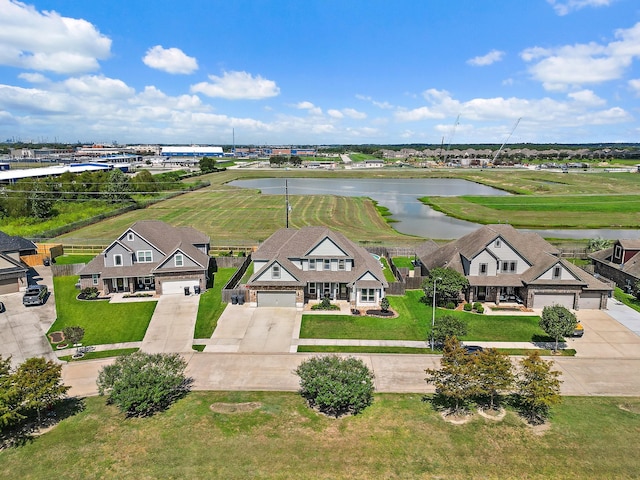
pixel 276 299
pixel 541 300
pixel 178 286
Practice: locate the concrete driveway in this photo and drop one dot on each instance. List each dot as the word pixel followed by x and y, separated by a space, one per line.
pixel 23 329
pixel 246 329
pixel 605 337
pixel 172 325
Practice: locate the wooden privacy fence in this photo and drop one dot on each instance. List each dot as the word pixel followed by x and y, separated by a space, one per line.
pixel 231 288
pixel 66 270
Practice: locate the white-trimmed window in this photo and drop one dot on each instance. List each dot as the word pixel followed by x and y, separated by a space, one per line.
pixel 312 264
pixel 130 237
pixel 512 267
pixel 275 271
pixel 312 288
pixel 148 280
pixel 327 264
pixel 484 268
pixel 94 278
pixel 618 252
pixel 505 266
pixel 341 264
pixel 498 243
pixel 178 260
pixel 368 295
pixel 144 256
pixel 117 260
pixel 557 272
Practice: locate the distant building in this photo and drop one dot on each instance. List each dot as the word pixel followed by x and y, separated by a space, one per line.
pixel 192 151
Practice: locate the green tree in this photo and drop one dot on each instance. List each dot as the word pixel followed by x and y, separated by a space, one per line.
pixel 41 199
pixel 448 326
pixel 295 160
pixel 336 385
pixel 207 164
pixel 141 384
pixel 117 187
pixel 454 380
pixel 143 182
pixel 596 244
pixel 493 374
pixel 449 285
pixel 73 334
pixel 39 383
pixel 557 322
pixel 538 387
pixel 9 396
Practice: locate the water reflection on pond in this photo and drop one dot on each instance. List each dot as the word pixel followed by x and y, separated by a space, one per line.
pixel 400 196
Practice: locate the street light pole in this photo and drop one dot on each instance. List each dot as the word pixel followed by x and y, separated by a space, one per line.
pixel 433 311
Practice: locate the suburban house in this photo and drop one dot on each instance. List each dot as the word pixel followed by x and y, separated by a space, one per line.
pixel 293 267
pixel 503 264
pixel 151 256
pixel 13 273
pixel 620 263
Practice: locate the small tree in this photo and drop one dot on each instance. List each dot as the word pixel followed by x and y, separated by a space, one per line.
pixel 448 326
pixel 141 384
pixel 557 322
pixel 493 373
pixel 10 397
pixel 596 244
pixel 336 385
pixel 449 284
pixel 39 383
pixel 538 387
pixel 73 334
pixel 207 164
pixel 384 304
pixel 454 381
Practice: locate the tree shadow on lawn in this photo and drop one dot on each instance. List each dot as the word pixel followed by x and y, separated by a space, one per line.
pixel 29 428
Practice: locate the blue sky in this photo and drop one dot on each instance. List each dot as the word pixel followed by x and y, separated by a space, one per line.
pixel 320 71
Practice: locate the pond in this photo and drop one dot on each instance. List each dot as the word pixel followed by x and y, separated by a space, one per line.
pixel 400 196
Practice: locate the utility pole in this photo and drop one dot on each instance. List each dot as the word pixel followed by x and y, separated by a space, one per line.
pixel 286 196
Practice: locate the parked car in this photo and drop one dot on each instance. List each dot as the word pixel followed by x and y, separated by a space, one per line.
pixel 35 295
pixel 472 349
pixel 579 330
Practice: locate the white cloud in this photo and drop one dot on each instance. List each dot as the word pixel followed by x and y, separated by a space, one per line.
pixel 46 41
pixel 584 64
pixel 335 113
pixel 310 107
pixel 170 60
pixel 383 105
pixel 564 7
pixel 587 98
pixel 237 86
pixel 482 61
pixel 33 77
pixel 353 113
pixel 635 85
pixel 91 85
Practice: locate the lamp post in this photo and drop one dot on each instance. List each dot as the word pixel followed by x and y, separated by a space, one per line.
pixel 433 311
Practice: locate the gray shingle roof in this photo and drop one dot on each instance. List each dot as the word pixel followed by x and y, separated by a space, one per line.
pixel 10 243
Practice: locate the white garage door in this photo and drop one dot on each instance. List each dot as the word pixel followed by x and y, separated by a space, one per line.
pixel 276 299
pixel 541 300
pixel 177 286
pixel 589 301
pixel 8 285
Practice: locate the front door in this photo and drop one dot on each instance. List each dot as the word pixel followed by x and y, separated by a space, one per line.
pixel 482 294
pixel 119 284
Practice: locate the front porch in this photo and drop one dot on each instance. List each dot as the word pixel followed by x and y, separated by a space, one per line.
pixel 129 285
pixel 496 295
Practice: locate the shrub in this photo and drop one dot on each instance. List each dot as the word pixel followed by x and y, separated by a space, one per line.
pixel 325 304
pixel 451 305
pixel 89 292
pixel 467 307
pixel 480 309
pixel 477 305
pixel 336 385
pixel 448 326
pixel 141 384
pixel 384 304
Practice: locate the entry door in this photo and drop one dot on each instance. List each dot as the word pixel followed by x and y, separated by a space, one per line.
pixel 482 294
pixel 119 284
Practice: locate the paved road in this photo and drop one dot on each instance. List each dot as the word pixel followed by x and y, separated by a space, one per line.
pixel 22 329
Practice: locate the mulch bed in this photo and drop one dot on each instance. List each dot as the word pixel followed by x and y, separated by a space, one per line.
pixel 56 337
pixel 380 313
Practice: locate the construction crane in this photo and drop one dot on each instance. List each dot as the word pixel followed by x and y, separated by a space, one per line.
pixel 453 131
pixel 507 139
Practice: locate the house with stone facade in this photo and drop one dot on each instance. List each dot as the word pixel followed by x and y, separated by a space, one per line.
pixel 151 256
pixel 293 267
pixel 619 263
pixel 503 264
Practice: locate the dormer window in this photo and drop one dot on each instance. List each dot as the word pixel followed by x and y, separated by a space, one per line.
pixel 117 260
pixel 130 237
pixel 498 243
pixel 275 271
pixel 179 260
pixel 144 256
pixel 484 268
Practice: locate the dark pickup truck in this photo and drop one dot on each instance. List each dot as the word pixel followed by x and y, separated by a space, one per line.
pixel 35 295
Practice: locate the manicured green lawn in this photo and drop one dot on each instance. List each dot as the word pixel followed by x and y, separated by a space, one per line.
pixel 403 262
pixel 399 436
pixel 211 306
pixel 70 259
pixel 628 300
pixel 414 323
pixel 103 322
pixel 569 352
pixel 388 274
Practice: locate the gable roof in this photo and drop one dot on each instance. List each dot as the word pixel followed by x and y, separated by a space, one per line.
pixel 12 266
pixel 10 243
pixel 630 267
pixel 286 244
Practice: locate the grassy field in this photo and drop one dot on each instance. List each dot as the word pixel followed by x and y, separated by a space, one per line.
pixel 103 322
pixel 414 322
pixel 567 352
pixel 278 437
pixel 211 307
pixel 235 216
pixel 628 300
